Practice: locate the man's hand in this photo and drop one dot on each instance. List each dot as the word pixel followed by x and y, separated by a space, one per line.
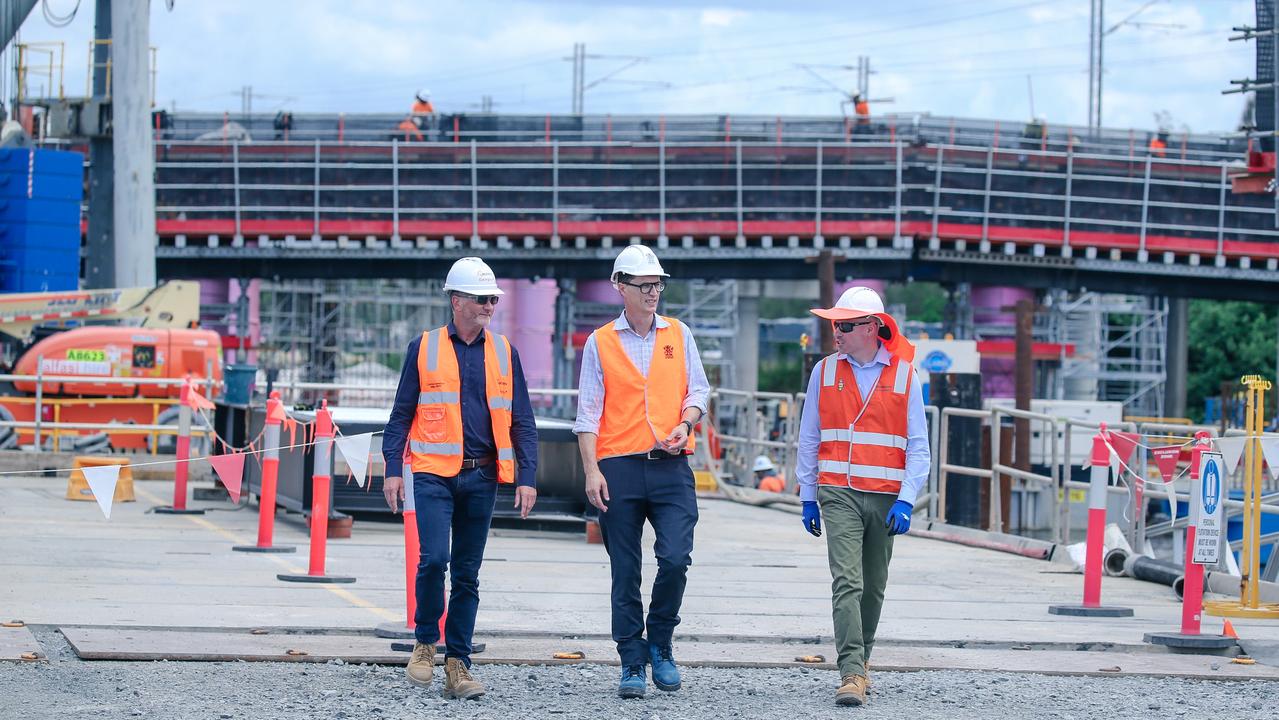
pixel 525 499
pixel 596 489
pixel 812 518
pixel 393 489
pixel 675 442
pixel 898 520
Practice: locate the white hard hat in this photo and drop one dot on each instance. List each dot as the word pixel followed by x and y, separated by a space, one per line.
pixel 763 463
pixel 472 275
pixel 637 260
pixel 423 94
pixel 856 302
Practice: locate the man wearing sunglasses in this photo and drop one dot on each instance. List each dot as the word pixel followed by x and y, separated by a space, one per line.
pixel 862 458
pixel 463 423
pixel 642 390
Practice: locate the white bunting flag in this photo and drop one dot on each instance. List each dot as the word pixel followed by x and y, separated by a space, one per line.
pixel 1231 450
pixel 355 450
pixel 1270 449
pixel 102 482
pixel 230 470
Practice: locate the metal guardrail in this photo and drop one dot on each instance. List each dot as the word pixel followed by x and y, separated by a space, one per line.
pixel 397 187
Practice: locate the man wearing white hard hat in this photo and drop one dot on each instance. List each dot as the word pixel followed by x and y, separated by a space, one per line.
pixel 862 459
pixel 766 477
pixel 463 423
pixel 642 390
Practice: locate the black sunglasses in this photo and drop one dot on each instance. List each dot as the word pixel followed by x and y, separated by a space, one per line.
pixel 648 287
pixel 481 299
pixel 849 326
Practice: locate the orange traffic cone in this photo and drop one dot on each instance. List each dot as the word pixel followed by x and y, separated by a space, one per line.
pixel 1228 630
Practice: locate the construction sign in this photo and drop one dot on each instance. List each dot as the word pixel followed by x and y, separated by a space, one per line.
pixel 1207 508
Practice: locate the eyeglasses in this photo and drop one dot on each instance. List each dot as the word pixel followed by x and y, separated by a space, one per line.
pixel 481 299
pixel 647 288
pixel 847 327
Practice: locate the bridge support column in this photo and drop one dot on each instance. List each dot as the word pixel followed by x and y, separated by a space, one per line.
pixel 1176 356
pixel 746 344
pixel 132 144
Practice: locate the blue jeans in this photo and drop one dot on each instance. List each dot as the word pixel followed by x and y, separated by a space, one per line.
pixel 660 492
pixel 462 507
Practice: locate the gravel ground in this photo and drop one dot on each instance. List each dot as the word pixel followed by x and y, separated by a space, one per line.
pixel 68 688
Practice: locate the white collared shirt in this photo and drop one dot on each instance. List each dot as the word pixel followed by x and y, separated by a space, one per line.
pixel 590 387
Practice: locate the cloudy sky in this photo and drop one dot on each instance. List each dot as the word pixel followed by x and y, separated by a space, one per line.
pixel 944 57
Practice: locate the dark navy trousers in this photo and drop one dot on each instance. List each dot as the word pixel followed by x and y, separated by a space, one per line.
pixel 460 508
pixel 660 492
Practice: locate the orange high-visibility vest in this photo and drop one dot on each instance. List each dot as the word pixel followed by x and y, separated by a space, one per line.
pixel 422 108
pixel 772 483
pixel 640 411
pixel 1157 147
pixel 435 438
pixel 863 440
pixel 863 110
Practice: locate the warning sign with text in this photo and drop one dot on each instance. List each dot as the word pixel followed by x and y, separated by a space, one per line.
pixel 1207 508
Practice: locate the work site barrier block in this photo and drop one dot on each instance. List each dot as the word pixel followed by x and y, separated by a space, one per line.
pixel 78 487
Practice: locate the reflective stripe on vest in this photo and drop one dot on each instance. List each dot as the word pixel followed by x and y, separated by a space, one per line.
pixel 435 436
pixel 639 411
pixel 863 440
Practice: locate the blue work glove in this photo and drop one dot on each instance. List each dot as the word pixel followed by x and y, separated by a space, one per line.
pixel 812 518
pixel 898 521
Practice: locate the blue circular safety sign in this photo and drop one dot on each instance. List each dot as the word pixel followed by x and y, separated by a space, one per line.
pixel 1211 487
pixel 937 362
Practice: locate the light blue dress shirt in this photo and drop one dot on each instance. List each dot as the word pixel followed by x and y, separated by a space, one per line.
pixel 918 460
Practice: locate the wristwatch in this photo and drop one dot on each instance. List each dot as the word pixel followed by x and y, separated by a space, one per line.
pixel 689 424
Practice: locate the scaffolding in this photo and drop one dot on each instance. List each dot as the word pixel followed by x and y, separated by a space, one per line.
pixel 1119 350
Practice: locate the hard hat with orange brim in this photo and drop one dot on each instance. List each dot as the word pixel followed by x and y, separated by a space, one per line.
pixel 861 302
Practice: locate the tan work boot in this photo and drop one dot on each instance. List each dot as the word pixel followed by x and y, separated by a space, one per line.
pixel 866 667
pixel 421 669
pixel 458 683
pixel 852 691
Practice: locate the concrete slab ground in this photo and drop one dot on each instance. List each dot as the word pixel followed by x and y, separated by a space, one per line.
pixel 756 576
pixel 15 642
pixel 222 646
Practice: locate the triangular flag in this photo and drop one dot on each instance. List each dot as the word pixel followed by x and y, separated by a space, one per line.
pixel 355 450
pixel 102 481
pixel 1231 450
pixel 198 401
pixel 1124 443
pixel 276 412
pixel 1270 451
pixel 230 470
pixel 1166 459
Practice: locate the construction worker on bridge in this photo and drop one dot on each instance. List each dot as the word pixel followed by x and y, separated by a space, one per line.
pixel 862 458
pixel 861 108
pixel 1159 144
pixel 642 391
pixel 766 477
pixel 421 115
pixel 463 411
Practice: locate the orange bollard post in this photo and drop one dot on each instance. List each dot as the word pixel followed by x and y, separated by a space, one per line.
pixel 270 476
pixel 183 467
pixel 1207 470
pixel 412 551
pixel 321 486
pixel 1098 488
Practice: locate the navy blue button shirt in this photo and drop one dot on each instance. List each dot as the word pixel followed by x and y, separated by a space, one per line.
pixel 477 426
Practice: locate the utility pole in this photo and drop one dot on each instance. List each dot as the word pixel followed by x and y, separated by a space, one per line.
pixel 99 255
pixel 863 75
pixel 1096 18
pixel 826 290
pixel 131 141
pixel 579 77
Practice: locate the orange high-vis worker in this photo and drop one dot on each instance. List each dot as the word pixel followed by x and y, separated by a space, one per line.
pixel 862 108
pixel 422 107
pixel 1158 147
pixel 435 437
pixel 642 410
pixel 410 130
pixel 772 483
pixel 863 441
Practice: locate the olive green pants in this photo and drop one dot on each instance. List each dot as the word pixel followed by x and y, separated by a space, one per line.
pixel 859 549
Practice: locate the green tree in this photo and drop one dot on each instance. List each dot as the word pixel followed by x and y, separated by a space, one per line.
pixel 1227 341
pixel 924 301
